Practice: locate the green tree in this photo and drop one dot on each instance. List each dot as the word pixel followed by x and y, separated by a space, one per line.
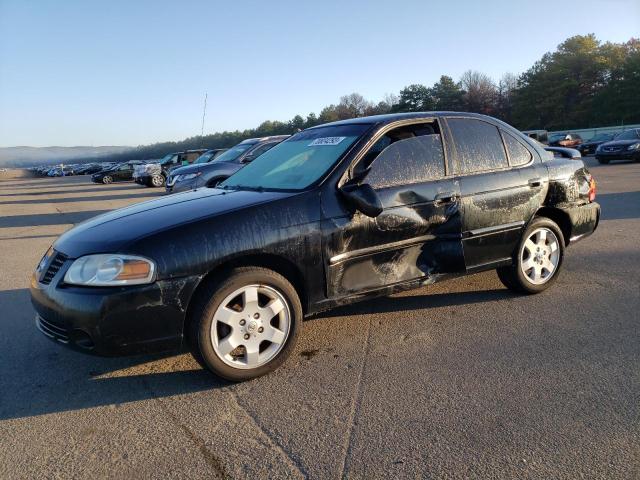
pixel 447 95
pixel 415 98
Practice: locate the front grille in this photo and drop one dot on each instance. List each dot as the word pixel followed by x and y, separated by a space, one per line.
pixel 52 330
pixel 57 260
pixel 611 149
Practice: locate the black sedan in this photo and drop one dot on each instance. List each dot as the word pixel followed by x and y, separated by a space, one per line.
pixel 122 172
pixel 335 214
pixel 589 147
pixel 626 146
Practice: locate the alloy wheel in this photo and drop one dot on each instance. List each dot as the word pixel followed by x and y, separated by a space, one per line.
pixel 540 256
pixel 250 326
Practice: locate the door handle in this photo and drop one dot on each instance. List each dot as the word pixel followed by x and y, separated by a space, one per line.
pixel 535 182
pixel 444 198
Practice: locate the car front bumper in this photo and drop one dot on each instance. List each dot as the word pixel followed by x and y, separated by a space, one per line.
pixel 619 155
pixel 113 321
pixel 143 180
pixel 182 186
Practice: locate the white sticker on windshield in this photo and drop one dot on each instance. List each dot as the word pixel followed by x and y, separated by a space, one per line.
pixel 326 141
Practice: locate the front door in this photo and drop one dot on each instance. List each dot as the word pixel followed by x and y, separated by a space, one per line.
pixel 417 237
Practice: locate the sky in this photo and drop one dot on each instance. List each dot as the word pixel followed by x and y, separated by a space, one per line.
pixel 130 72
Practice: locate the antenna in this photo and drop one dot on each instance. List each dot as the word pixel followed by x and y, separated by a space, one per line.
pixel 204 112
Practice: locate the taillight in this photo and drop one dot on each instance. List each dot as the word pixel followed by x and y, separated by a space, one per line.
pixel 592 188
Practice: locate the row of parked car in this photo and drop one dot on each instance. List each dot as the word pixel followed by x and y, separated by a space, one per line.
pixel 606 146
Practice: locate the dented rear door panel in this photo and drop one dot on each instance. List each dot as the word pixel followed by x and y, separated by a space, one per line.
pixel 497 206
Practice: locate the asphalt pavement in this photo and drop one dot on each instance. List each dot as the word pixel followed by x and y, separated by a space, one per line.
pixel 461 379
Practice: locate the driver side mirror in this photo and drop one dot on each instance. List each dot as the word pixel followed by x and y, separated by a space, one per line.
pixel 363 198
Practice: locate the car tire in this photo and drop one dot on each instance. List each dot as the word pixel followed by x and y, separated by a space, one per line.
pixel 603 161
pixel 157 181
pixel 232 322
pixel 538 259
pixel 107 179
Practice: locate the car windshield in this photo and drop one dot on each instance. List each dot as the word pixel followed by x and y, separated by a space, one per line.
pixel 167 159
pixel 205 157
pixel 628 135
pixel 233 153
pixel 299 161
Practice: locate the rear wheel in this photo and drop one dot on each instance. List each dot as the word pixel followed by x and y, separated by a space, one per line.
pixel 245 324
pixel 107 179
pixel 603 161
pixel 539 258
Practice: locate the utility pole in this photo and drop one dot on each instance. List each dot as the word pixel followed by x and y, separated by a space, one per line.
pixel 204 112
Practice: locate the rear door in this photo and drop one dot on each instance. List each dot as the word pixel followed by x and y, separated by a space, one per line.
pixel 502 184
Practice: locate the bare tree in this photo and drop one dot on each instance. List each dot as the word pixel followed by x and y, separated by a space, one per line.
pixel 480 92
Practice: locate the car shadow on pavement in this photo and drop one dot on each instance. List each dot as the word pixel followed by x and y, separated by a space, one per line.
pixel 619 206
pixel 39 376
pixel 95 198
pixel 96 188
pixel 417 302
pixel 40 219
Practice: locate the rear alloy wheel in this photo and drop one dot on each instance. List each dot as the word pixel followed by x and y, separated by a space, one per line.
pixel 538 260
pixel 246 324
pixel 107 179
pixel 157 180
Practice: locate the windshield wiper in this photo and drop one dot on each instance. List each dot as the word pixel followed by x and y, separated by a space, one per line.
pixel 248 187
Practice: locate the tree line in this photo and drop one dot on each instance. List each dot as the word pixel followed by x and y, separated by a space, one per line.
pixel 583 83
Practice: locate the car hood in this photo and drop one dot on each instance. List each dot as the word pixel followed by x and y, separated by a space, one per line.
pixel 620 143
pixel 112 231
pixel 187 169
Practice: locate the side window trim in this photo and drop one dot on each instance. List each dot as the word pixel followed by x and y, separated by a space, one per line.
pixel 349 172
pixel 504 143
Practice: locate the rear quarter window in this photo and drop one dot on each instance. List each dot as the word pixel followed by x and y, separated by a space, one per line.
pixel 478 145
pixel 518 153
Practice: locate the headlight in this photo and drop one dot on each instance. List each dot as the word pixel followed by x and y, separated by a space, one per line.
pixel 635 146
pixel 111 270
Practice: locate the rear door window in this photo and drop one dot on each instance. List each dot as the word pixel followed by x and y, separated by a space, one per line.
pixel 478 145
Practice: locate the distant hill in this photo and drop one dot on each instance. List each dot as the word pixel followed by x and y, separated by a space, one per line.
pixel 28 156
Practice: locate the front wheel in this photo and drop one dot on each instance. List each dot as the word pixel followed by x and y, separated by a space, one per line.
pixel 107 179
pixel 539 258
pixel 245 324
pixel 157 180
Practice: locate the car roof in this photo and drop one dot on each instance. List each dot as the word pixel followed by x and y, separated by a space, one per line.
pixel 394 117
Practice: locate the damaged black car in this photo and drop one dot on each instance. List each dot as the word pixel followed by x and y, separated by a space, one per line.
pixel 335 214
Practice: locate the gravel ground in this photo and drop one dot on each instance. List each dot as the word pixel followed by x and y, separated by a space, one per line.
pixel 461 379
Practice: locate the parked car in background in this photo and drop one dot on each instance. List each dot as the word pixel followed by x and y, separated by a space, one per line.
pixel 122 172
pixel 91 168
pixel 589 147
pixel 625 146
pixel 155 174
pixel 335 214
pixel 541 136
pixel 61 171
pixel 564 140
pixel 221 167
